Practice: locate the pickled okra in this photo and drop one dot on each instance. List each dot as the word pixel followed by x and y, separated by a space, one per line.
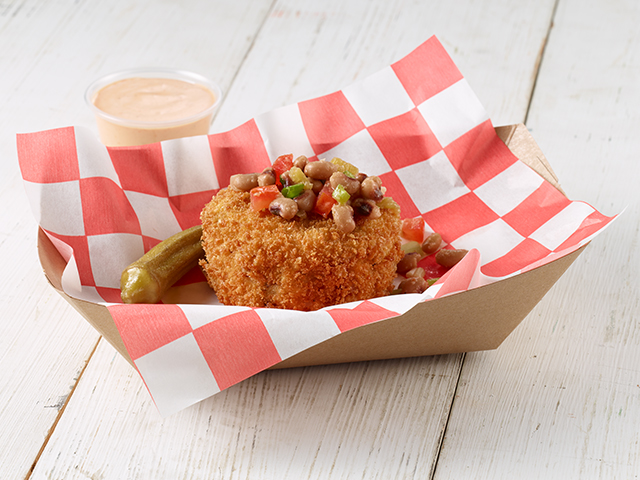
pixel 148 278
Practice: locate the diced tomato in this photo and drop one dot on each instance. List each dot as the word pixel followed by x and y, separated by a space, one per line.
pixel 325 201
pixel 413 229
pixel 261 197
pixel 282 164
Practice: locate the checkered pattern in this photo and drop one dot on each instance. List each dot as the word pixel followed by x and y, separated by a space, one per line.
pixel 416 124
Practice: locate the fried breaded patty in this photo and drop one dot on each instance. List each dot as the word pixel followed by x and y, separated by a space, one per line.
pixel 258 259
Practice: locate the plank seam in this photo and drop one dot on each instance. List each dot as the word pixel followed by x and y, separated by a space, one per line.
pixel 246 54
pixel 61 411
pixel 539 59
pixel 432 473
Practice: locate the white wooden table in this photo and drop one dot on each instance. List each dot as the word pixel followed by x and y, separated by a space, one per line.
pixel 559 399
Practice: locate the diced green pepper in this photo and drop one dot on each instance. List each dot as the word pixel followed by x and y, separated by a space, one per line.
pixel 292 191
pixel 340 195
pixel 413 247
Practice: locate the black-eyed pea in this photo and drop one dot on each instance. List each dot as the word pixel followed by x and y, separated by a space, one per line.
pixel 432 243
pixel 244 181
pixel 413 285
pixel 448 258
pixel 306 201
pixel 375 212
pixel 300 162
pixel 343 218
pixel 408 262
pixel 371 188
pixel 320 170
pixel 366 208
pixel 351 185
pixel 287 208
pixel 267 177
pixel 363 207
pixel 316 185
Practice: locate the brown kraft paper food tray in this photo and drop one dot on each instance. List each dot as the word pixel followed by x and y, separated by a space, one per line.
pixel 474 320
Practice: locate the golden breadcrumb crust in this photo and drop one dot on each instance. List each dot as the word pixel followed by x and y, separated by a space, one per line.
pixel 258 259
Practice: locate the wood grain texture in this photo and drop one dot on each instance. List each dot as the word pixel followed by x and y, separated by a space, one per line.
pixel 316 422
pixel 51 52
pixel 561 398
pixel 307 49
pixel 369 420
pixel 44 345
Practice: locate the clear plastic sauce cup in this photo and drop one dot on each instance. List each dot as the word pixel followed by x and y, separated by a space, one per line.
pixel 140 106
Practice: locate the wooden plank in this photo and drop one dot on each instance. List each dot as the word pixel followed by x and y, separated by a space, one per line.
pixel 44 343
pixel 51 52
pixel 307 49
pixel 314 421
pixel 376 419
pixel 560 398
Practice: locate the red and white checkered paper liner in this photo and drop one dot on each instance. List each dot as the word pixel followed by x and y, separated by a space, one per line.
pixel 416 124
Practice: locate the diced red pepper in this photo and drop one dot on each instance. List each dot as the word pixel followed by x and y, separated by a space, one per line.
pixel 261 197
pixel 325 201
pixel 413 229
pixel 282 164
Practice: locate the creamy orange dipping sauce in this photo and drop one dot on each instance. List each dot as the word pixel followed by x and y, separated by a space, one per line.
pixel 153 99
pixel 140 110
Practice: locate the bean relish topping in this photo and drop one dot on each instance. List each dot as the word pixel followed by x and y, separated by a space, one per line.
pixel 417 247
pixel 298 187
